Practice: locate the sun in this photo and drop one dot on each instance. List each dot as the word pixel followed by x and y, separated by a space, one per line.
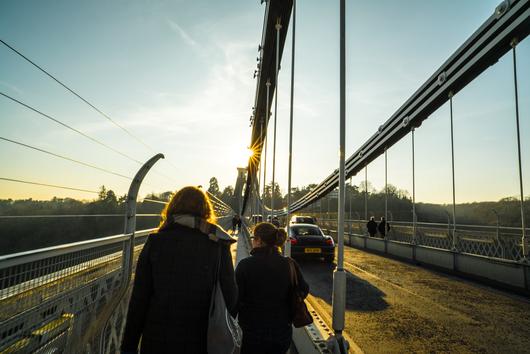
pixel 242 156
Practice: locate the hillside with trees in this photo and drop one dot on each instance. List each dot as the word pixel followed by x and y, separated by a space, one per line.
pixel 104 216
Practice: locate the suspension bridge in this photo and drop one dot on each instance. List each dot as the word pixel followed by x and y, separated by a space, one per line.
pixel 421 287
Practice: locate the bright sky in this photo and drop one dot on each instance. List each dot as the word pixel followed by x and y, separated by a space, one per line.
pixel 178 74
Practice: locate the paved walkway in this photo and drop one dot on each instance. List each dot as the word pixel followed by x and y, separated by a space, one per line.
pixel 396 307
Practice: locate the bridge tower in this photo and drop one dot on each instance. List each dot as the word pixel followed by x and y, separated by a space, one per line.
pixel 238 190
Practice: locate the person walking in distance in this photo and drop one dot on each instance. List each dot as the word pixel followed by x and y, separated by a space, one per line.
pixel 239 223
pixel 264 283
pixel 234 222
pixel 174 279
pixel 371 227
pixel 383 227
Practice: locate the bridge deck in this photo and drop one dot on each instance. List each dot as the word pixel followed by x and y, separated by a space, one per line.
pixel 398 307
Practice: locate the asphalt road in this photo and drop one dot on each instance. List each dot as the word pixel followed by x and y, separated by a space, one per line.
pixel 397 307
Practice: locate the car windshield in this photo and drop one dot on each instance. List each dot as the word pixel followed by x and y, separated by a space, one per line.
pixel 305 220
pixel 306 231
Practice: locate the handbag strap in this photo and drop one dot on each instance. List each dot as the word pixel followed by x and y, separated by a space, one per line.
pixel 292 272
pixel 216 279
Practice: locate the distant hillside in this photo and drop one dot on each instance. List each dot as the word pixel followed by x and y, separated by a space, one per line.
pixel 22 234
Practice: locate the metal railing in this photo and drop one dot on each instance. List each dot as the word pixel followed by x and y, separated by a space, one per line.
pixel 60 298
pixel 56 297
pixel 71 297
pixel 500 242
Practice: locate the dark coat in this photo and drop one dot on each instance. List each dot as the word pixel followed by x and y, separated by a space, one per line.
pixel 383 227
pixel 172 290
pixel 265 289
pixel 372 227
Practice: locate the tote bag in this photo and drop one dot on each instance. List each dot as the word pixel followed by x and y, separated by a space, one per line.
pixel 224 334
pixel 300 315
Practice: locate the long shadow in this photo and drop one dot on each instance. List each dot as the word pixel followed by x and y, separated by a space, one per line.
pixel 361 295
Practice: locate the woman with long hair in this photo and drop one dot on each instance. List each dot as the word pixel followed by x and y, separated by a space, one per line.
pixel 265 290
pixel 175 276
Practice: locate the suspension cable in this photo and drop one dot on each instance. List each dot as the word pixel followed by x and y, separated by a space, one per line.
pixel 48 185
pixel 514 43
pixel 76 94
pixel 268 84
pixel 453 238
pixel 222 203
pixel 259 167
pixel 70 127
pixel 413 190
pixel 106 116
pixel 65 158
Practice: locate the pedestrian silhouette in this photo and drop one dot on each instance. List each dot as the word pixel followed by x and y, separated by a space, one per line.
pixel 383 227
pixel 371 226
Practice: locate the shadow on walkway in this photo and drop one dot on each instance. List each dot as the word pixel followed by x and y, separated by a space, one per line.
pixel 361 295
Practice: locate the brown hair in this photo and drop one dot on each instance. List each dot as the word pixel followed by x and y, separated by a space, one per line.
pixel 189 201
pixel 270 235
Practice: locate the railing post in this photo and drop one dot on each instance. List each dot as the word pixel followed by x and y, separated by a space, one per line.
pixel 130 214
pixel 129 228
pixel 339 276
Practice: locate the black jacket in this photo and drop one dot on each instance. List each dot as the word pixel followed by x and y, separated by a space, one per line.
pixel 172 290
pixel 383 227
pixel 371 226
pixel 265 288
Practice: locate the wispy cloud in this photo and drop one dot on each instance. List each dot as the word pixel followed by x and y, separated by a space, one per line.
pixel 11 87
pixel 182 33
pixel 218 108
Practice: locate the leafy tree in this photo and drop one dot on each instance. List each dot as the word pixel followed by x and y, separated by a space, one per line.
pixel 279 200
pixel 214 187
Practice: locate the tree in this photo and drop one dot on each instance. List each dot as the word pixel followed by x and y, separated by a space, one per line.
pixel 102 193
pixel 228 196
pixel 278 199
pixel 214 187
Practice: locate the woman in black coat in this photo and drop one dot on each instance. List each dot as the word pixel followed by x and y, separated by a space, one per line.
pixel 175 276
pixel 265 290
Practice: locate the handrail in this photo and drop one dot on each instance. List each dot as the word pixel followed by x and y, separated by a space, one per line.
pixel 14 259
pixel 502 243
pixel 437 224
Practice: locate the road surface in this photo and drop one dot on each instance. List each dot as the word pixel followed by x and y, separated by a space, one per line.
pixel 397 307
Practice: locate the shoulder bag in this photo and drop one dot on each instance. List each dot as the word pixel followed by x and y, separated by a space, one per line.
pixel 300 315
pixel 224 334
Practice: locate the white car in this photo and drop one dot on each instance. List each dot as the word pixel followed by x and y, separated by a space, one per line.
pixel 299 219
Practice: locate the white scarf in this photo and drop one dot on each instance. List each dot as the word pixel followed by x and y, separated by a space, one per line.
pixel 214 232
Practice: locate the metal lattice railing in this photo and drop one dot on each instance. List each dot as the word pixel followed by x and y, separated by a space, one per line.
pixel 72 297
pixel 59 298
pixel 488 241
